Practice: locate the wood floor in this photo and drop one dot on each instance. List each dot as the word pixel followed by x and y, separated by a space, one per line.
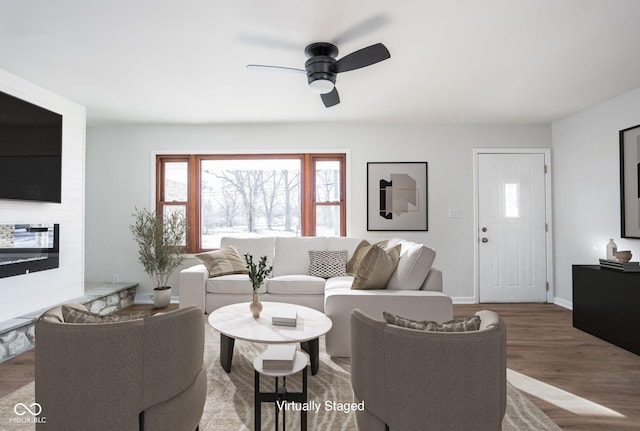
pixel 541 344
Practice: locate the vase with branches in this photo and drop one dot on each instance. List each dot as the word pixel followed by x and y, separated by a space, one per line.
pixel 257 274
pixel 160 248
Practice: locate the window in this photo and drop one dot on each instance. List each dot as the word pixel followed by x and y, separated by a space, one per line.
pixel 253 195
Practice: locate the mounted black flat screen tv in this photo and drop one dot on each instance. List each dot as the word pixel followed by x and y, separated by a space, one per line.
pixel 30 151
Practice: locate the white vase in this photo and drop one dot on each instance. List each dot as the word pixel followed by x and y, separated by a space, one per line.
pixel 161 297
pixel 611 249
pixel 255 306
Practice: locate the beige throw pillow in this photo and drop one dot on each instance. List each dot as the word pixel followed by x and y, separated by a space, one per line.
pixel 359 253
pixel 224 261
pixel 376 268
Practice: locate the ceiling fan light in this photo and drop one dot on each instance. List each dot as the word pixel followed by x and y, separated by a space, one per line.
pixel 322 86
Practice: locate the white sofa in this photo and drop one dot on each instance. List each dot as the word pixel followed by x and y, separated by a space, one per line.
pixel 414 290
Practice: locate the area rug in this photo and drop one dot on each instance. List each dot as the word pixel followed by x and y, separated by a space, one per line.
pixel 229 404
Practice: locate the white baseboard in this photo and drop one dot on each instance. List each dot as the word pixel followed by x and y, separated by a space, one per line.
pixel 464 300
pixel 563 303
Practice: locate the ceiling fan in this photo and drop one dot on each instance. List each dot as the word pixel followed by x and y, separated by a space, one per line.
pixel 322 67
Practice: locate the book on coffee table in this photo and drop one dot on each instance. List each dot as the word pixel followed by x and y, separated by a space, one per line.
pixel 279 357
pixel 285 317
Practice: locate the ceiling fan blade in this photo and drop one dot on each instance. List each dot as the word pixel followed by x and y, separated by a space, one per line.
pixel 275 68
pixel 330 99
pixel 362 28
pixel 362 58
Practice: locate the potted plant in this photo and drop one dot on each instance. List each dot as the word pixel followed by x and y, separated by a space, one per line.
pixel 160 248
pixel 257 274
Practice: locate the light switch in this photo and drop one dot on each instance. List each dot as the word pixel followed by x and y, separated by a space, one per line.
pixel 455 212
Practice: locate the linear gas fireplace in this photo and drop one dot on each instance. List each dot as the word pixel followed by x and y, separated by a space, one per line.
pixel 26 248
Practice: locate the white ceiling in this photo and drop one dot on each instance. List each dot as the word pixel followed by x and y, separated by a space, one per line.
pixel 452 61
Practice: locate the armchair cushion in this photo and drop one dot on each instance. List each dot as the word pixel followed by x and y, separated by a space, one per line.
pixel 224 261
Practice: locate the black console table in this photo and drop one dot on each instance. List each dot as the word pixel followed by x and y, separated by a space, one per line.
pixel 606 303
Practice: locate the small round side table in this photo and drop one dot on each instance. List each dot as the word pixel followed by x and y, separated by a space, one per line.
pixel 280 393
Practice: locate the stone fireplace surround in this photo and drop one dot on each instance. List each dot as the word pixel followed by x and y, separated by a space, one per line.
pixel 18 335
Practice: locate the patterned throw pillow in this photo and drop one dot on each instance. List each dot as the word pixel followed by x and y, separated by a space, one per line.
pixel 327 263
pixel 376 268
pixel 224 261
pixel 465 325
pixel 74 315
pixel 394 319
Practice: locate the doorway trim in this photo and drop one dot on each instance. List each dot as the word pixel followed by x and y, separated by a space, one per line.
pixel 548 213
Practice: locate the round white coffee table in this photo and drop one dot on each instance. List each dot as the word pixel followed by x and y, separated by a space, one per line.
pixel 236 322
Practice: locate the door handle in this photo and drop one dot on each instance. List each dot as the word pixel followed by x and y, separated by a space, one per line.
pixel 485 240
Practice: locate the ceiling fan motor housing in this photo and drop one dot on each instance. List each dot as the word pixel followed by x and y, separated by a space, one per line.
pixel 320 67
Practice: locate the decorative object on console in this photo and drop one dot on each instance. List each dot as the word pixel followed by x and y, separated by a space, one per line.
pixel 623 255
pixel 611 249
pixel 620 266
pixel 160 248
pixel 397 196
pixel 257 274
pixel 629 172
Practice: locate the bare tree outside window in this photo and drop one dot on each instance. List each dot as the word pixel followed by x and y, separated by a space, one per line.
pixel 249 198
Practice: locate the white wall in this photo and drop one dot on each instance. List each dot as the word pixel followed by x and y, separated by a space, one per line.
pixel 120 163
pixel 30 292
pixel 586 186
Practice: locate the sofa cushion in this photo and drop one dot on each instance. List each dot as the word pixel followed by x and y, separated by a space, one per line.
pixel 376 267
pixel 296 285
pixel 72 314
pixel 413 267
pixel 327 263
pixel 224 261
pixel 339 283
pixel 232 283
pixel 292 254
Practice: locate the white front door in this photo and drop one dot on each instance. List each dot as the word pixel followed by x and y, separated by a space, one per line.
pixel 512 261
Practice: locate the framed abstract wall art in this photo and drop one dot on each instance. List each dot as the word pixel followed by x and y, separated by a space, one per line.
pixel 397 196
pixel 630 182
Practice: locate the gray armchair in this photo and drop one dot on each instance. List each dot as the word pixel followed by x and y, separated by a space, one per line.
pixel 414 380
pixel 142 374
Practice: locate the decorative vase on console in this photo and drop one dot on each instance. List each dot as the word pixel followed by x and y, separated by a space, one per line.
pixel 611 249
pixel 257 274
